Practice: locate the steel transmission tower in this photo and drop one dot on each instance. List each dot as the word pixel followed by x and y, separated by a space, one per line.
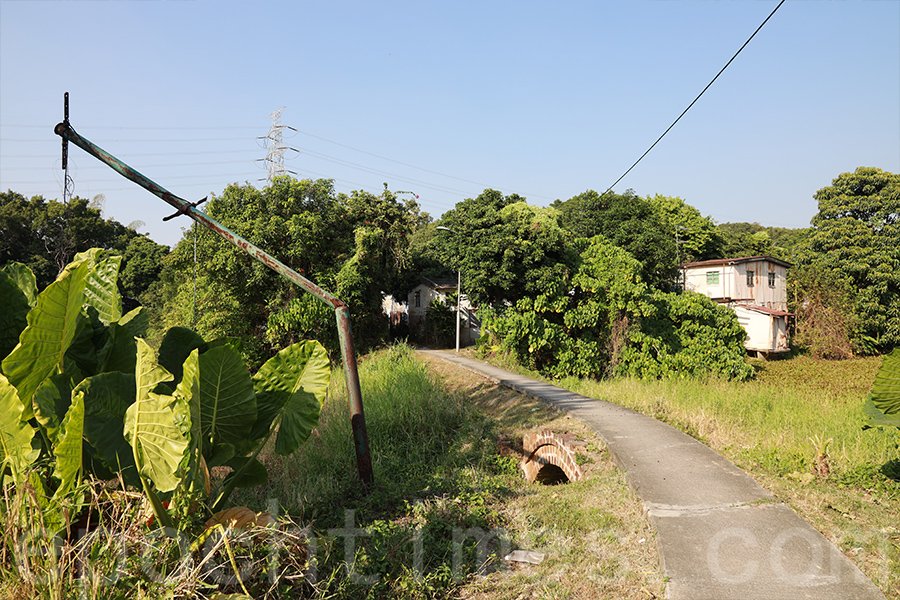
pixel 273 142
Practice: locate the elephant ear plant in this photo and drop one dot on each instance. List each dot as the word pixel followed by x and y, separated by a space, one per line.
pixel 883 404
pixel 83 395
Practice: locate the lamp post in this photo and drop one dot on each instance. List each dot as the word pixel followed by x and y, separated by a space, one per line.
pixel 458 291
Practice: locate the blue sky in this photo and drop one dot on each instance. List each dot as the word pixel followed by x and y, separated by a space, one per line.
pixel 546 99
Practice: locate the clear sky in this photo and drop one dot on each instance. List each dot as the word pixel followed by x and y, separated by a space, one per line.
pixel 546 99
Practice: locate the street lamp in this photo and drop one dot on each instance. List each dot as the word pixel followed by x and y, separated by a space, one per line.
pixel 458 291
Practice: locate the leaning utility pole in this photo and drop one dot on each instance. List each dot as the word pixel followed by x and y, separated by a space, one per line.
pixel 189 209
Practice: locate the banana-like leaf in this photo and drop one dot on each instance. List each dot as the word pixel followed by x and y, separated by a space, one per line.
pixel 175 347
pixel 246 472
pixel 52 400
pixel 16 451
pixel 24 279
pixel 67 449
pixel 290 390
pixel 51 329
pixel 886 389
pixel 227 399
pixel 120 351
pixel 877 418
pixel 101 289
pixel 91 335
pixel 107 397
pixel 13 317
pixel 155 424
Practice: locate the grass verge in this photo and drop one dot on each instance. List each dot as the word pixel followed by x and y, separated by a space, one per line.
pixel 797 429
pixel 443 444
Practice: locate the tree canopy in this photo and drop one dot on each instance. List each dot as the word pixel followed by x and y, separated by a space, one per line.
pixel 630 222
pixel 45 235
pixel 852 255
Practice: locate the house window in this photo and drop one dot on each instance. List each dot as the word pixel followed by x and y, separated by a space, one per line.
pixel 751 276
pixel 712 278
pixel 418 299
pixel 771 279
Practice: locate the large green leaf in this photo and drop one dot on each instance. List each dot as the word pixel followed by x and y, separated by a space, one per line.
pixel 91 335
pixel 67 449
pixel 246 472
pixel 16 451
pixel 290 389
pixel 120 351
pixel 107 397
pixel 52 400
pixel 13 316
pixel 101 289
pixel 176 345
pixel 227 399
pixel 886 389
pixel 155 423
pixel 50 331
pixel 877 418
pixel 24 279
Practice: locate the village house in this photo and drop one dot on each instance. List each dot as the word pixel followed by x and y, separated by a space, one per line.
pixel 755 288
pixel 421 296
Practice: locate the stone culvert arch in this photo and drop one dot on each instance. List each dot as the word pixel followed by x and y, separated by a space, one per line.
pixel 550 457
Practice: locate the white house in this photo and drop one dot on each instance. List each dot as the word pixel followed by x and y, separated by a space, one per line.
pixel 755 288
pixel 421 296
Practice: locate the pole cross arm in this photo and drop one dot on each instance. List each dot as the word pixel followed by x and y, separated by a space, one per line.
pixel 342 312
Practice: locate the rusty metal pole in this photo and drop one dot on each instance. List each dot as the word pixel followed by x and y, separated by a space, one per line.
pixel 342 313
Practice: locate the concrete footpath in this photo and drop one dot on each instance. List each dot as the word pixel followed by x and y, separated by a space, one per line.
pixel 721 536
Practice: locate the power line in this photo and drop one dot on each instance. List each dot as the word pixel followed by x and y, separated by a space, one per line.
pixel 722 70
pixel 406 164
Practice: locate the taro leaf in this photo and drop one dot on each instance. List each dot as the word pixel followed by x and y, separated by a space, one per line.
pixel 120 351
pixel 107 397
pixel 90 336
pixel 247 472
pixel 51 328
pixel 176 345
pixel 290 389
pixel 154 424
pixel 52 400
pixel 67 449
pixel 15 434
pixel 220 455
pixel 227 399
pixel 877 418
pixel 101 289
pixel 886 389
pixel 13 316
pixel 24 279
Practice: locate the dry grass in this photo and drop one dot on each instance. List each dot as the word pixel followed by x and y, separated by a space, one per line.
pixel 594 533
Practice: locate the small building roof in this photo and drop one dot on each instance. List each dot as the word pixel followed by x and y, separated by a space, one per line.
pixel 764 310
pixel 734 261
pixel 439 284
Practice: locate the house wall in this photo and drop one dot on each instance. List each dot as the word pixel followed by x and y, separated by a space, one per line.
pixel 733 283
pixel 765 333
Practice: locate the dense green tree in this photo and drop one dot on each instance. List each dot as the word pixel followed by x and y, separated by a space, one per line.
pixel 695 234
pixel 753 239
pixel 46 235
pixel 505 248
pixel 604 320
pixel 356 246
pixel 853 252
pixel 629 222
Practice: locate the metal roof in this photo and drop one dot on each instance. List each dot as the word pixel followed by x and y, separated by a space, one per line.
pixel 734 261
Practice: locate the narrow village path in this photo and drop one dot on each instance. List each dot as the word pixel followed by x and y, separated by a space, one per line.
pixel 721 536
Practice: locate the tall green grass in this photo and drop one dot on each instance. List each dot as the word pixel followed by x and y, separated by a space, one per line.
pixel 795 411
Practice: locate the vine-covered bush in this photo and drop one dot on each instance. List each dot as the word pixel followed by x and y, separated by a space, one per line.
pixel 604 320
